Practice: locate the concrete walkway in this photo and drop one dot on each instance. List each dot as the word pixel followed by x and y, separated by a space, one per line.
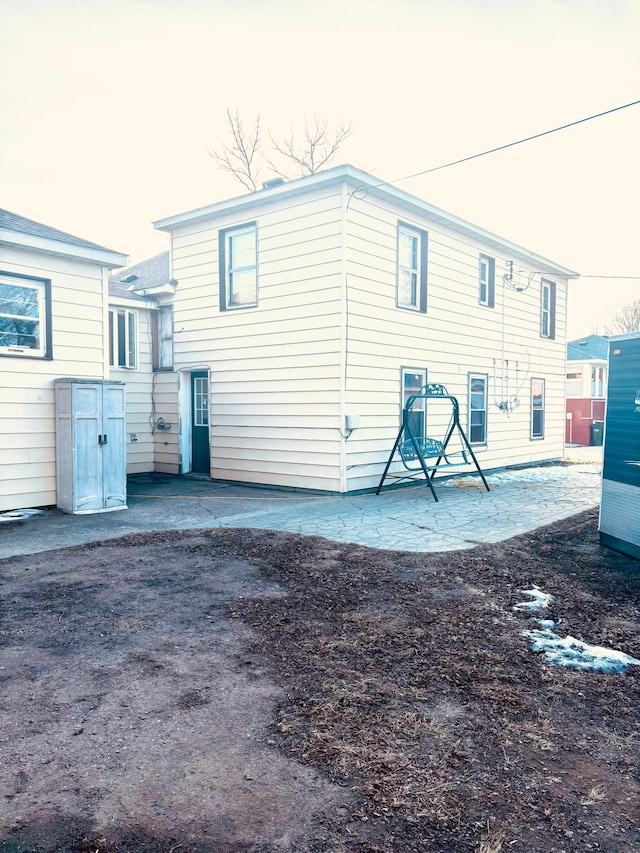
pixel 404 519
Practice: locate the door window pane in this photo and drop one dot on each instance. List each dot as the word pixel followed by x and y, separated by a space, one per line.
pixel 200 401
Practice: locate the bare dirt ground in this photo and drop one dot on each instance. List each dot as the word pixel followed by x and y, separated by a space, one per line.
pixel 242 691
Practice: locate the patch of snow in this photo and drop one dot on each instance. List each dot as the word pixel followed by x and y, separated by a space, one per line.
pixel 548 623
pixel 17 514
pixel 541 599
pixel 578 655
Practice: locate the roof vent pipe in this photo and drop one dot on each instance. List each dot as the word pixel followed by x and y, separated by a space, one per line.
pixel 272 182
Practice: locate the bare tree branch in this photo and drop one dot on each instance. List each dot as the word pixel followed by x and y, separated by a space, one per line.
pixel 626 320
pixel 307 152
pixel 317 148
pixel 239 157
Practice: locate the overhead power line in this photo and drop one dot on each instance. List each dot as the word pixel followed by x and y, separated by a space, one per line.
pixel 508 145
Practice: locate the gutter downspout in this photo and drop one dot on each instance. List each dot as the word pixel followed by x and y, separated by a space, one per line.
pixel 106 342
pixel 344 333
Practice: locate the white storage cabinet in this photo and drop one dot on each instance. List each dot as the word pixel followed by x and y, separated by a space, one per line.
pixel 91 460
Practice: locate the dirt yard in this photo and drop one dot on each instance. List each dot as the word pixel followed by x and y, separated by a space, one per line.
pixel 241 691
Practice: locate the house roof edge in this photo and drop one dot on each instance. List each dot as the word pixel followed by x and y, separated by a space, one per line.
pixel 366 184
pixel 59 248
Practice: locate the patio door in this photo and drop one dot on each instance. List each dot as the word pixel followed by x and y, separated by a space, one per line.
pixel 200 451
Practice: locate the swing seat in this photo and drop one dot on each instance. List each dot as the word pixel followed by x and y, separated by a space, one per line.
pixel 430 448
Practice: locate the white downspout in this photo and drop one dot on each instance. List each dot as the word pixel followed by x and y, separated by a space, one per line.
pixel 344 344
pixel 105 323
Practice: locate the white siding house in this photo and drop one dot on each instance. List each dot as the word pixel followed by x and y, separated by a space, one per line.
pixel 141 355
pixel 586 389
pixel 53 316
pixel 306 313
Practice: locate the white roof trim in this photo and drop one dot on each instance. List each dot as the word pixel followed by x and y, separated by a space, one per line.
pixel 369 186
pixel 128 302
pixel 48 246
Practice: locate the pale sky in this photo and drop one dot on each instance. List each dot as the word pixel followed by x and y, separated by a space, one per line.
pixel 108 109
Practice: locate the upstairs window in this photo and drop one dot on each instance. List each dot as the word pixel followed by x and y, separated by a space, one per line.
pixel 487 281
pixel 412 268
pixel 597 381
pixel 25 316
pixel 123 338
pixel 239 267
pixel 547 309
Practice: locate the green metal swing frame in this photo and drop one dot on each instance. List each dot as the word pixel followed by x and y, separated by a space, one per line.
pixel 421 455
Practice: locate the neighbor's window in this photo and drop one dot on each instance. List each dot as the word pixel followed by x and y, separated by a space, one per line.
pixel 238 249
pixel 487 279
pixel 25 315
pixel 547 309
pixel 478 409
pixel 412 383
pixel 412 268
pixel 123 338
pixel 162 337
pixel 537 408
pixel 597 381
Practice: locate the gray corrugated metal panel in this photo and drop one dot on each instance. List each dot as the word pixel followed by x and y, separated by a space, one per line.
pixel 628 337
pixel 365 184
pixel 591 347
pixel 143 276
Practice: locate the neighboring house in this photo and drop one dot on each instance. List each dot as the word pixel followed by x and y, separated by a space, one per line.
pixel 307 313
pixel 586 388
pixel 53 317
pixel 141 354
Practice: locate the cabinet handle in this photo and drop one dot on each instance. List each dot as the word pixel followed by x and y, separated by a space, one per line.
pixel 102 440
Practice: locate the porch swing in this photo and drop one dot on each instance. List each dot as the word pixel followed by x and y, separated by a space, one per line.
pixel 422 456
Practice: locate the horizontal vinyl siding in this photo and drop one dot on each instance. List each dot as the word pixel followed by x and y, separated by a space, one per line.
pixel 140 453
pixel 456 336
pixel 275 369
pixel 27 410
pixel 166 442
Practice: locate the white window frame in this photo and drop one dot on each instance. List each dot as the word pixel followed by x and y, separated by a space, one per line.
pixel 40 333
pixel 537 436
pixel 597 381
pixel 486 280
pixel 126 347
pixel 547 308
pixel 474 377
pixel 409 379
pixel 230 300
pixel 415 269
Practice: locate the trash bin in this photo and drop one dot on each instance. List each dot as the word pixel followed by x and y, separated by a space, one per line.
pixel 597 433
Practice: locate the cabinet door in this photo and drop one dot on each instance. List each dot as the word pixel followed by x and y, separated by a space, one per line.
pixel 114 450
pixel 87 462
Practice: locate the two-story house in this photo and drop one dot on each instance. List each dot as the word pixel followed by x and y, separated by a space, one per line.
pixel 278 340
pixel 586 389
pixel 305 314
